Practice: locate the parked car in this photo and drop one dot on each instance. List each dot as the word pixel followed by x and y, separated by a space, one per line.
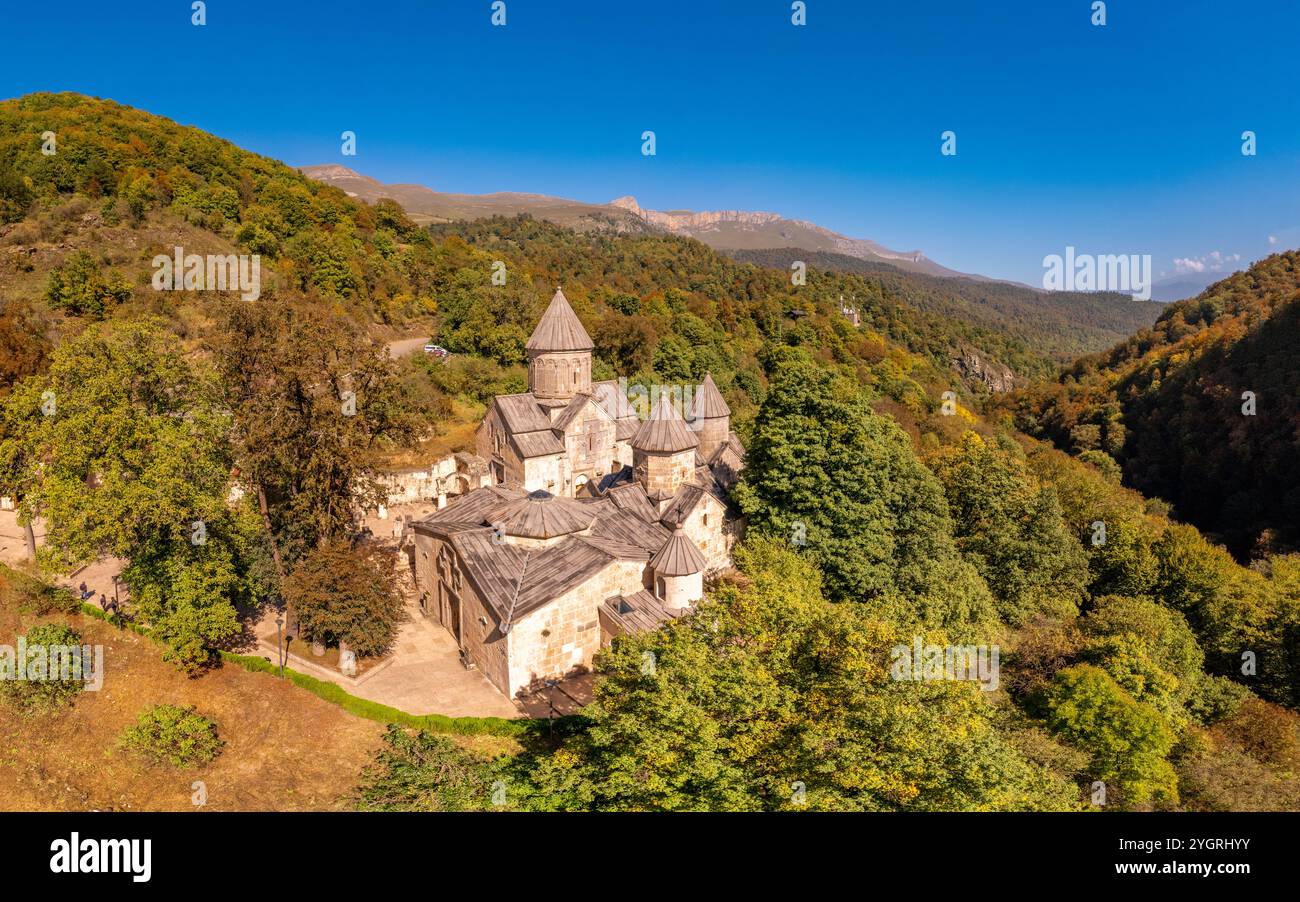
pixel 436 350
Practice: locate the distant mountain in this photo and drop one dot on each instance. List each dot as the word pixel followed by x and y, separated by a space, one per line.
pixel 724 230
pixel 738 230
pixel 1185 285
pixel 425 205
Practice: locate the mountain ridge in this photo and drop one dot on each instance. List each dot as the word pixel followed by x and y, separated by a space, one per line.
pixel 723 230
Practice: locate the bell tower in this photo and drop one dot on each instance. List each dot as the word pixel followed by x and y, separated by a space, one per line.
pixel 559 355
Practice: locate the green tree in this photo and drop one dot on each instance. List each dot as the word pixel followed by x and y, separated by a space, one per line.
pixel 826 473
pixel 1128 741
pixel 122 447
pixel 55 670
pixel 1013 530
pixel 420 771
pixel 769 698
pixel 80 288
pixel 1148 649
pixel 346 594
pixel 314 401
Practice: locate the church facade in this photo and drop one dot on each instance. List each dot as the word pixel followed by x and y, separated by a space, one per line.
pixel 594 522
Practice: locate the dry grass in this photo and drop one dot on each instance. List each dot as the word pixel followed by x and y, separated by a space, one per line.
pixel 284 748
pixel 457 433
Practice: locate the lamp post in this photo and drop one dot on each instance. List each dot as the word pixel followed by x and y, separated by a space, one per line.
pixel 279 641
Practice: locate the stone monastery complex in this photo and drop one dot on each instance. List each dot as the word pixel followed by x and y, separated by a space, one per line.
pixel 592 522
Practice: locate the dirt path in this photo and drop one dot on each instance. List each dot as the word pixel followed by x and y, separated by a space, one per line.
pixel 403 347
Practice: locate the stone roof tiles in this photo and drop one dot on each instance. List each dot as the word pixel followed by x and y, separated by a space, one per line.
pixel 636 613
pixel 522 413
pixel 559 329
pixel 541 515
pixel 537 444
pixel 708 401
pixel 678 556
pixel 665 430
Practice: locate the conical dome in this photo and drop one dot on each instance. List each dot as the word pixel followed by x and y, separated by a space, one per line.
pixel 664 430
pixel 708 401
pixel 559 329
pixel 678 557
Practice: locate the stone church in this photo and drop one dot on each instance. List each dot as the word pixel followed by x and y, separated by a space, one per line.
pixel 595 521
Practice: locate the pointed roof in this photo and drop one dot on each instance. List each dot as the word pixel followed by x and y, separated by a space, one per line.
pixel 678 557
pixel 664 430
pixel 559 329
pixel 708 401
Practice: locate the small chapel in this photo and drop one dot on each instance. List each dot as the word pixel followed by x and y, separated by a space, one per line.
pixel 599 517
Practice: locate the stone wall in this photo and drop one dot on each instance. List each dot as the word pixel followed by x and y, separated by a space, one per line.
pixel 706 527
pixel 554 375
pixel 479 637
pixel 589 439
pixel 712 433
pixel 566 633
pixel 550 473
pixel 663 473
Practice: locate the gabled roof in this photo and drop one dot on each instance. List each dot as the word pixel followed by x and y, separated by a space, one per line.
pixel 514 581
pixel 731 450
pixel 570 413
pixel 665 430
pixel 613 400
pixel 537 444
pixel 630 498
pixel 630 529
pixel 678 557
pixel 637 613
pixel 521 413
pixel 473 506
pixel 708 401
pixel 559 329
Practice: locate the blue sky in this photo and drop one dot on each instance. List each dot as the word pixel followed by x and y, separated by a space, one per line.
pixel 1116 139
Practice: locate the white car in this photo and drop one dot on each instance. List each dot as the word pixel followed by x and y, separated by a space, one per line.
pixel 436 350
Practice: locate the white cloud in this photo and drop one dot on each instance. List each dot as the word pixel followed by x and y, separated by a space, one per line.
pixel 1272 239
pixel 1214 261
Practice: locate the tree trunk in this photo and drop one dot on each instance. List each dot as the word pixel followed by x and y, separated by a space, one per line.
pixel 31 540
pixel 270 533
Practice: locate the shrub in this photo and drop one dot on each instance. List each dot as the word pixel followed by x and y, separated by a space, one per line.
pixel 168 734
pixel 33 596
pixel 423 772
pixel 53 670
pixel 80 288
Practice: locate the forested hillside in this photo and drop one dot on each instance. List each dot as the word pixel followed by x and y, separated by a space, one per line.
pixel 880 513
pixel 1037 330
pixel 1200 410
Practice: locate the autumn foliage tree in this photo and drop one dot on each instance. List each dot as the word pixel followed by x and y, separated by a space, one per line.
pixel 346 594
